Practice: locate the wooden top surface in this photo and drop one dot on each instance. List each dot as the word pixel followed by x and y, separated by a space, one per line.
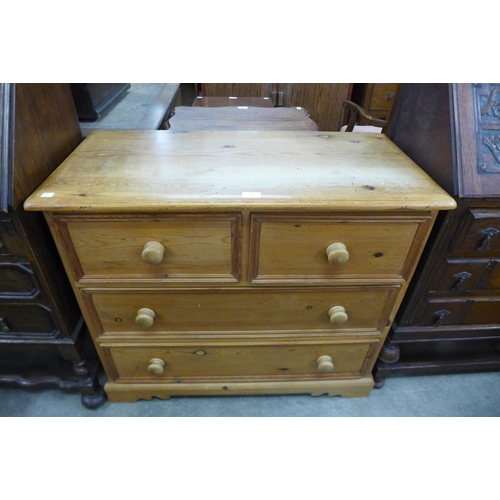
pixel 187 118
pixel 213 101
pixel 138 171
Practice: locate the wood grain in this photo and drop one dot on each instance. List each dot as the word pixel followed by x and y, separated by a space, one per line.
pixel 187 118
pixel 237 170
pixel 239 312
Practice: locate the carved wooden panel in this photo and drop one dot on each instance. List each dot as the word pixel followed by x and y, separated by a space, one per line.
pixel 477 124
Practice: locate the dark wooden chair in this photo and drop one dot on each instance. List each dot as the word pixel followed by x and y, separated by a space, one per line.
pixel 360 121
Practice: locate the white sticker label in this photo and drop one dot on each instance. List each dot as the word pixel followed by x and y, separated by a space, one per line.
pixel 242 107
pixel 47 195
pixel 251 194
pixel 233 98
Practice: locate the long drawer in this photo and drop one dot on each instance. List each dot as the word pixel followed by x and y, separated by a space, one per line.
pixel 181 363
pixel 300 247
pixel 358 310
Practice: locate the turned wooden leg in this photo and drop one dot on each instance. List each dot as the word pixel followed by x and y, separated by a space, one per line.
pixel 93 395
pixel 389 354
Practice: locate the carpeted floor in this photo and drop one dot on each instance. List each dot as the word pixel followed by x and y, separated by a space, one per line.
pixel 466 395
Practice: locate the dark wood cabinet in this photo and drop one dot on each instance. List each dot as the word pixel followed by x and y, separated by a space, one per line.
pixel 323 101
pixel 43 338
pixel 449 320
pixel 91 99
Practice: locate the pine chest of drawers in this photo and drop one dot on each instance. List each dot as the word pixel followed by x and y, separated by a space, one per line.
pixel 238 262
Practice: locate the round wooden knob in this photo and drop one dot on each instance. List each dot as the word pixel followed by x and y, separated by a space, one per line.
pixel 145 317
pixel 325 364
pixel 337 254
pixel 153 252
pixel 338 316
pixel 156 366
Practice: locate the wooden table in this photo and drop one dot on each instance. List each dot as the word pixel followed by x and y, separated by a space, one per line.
pixel 187 118
pixel 239 262
pixel 145 106
pixel 214 102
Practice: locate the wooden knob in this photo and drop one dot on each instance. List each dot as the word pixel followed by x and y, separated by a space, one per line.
pixel 325 364
pixel 337 254
pixel 156 366
pixel 145 317
pixel 153 252
pixel 338 316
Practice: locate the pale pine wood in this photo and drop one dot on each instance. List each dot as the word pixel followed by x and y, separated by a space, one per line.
pixel 337 253
pixel 186 118
pixel 153 252
pixel 256 361
pixel 244 299
pixel 347 388
pixel 244 311
pixel 288 247
pixel 114 247
pixel 158 171
pixel 145 317
pixel 338 315
pixel 325 364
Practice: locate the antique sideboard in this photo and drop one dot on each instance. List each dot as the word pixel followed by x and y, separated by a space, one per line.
pixel 450 318
pixel 43 338
pixel 238 262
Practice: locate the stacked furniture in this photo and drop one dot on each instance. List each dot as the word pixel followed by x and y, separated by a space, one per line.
pixel 43 338
pixel 450 318
pixel 323 101
pixel 186 118
pixel 238 262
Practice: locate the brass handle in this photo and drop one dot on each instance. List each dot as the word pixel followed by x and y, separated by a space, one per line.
pixel 325 364
pixel 337 254
pixel 145 317
pixel 338 316
pixel 156 366
pixel 153 252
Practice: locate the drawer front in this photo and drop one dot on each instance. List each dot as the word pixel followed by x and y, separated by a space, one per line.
pixel 181 247
pixel 382 96
pixel 180 363
pixel 480 233
pixel 363 311
pixel 26 319
pixel 477 311
pixel 295 248
pixel 17 279
pixel 462 275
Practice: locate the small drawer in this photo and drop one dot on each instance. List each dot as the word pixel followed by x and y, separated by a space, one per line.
pixel 26 319
pixel 308 249
pixel 462 275
pixel 17 279
pixel 480 234
pixel 382 97
pixel 456 312
pixel 182 247
pixel 360 311
pixel 184 363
